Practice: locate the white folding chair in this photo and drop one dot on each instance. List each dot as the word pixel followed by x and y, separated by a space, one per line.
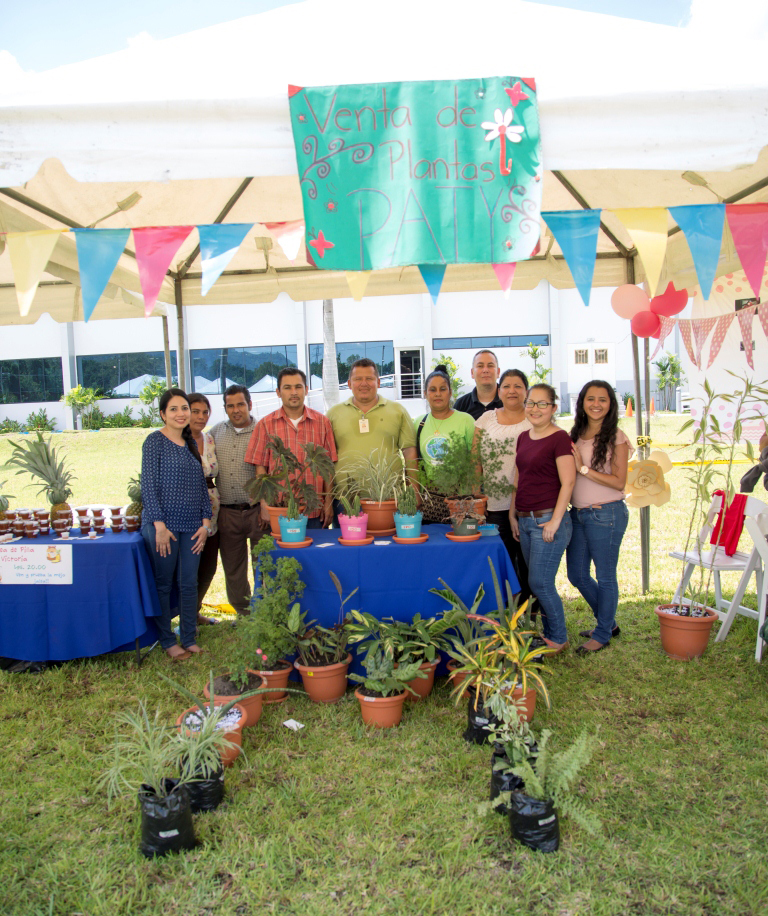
pixel 758 530
pixel 716 560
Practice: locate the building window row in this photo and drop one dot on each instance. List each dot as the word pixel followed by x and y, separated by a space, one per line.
pixel 216 369
pixel 382 352
pixel 122 375
pixel 491 343
pixel 24 381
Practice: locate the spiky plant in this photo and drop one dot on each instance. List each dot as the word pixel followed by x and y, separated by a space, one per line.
pixel 39 459
pixel 4 497
pixel 134 494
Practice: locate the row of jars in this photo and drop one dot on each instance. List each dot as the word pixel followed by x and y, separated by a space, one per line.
pixel 33 522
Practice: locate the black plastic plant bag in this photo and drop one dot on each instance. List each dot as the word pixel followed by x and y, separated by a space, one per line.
pixel 166 823
pixel 501 781
pixel 478 721
pixel 534 823
pixel 206 794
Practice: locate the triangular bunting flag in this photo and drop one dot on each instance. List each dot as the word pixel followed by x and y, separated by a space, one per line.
pixel 647 228
pixel 30 252
pixel 701 329
pixel 685 332
pixel 749 227
pixel 745 317
pixel 667 323
pixel 155 248
pixel 723 323
pixel 576 234
pixel 289 236
pixel 433 274
pixel 702 226
pixel 505 274
pixel 218 245
pixel 762 314
pixel 98 251
pixel 357 280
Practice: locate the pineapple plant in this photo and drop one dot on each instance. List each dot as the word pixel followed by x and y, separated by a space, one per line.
pixel 41 461
pixel 134 494
pixel 4 497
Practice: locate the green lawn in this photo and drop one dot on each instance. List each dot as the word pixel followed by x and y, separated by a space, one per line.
pixel 337 820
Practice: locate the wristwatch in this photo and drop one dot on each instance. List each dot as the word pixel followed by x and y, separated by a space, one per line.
pixel 584 470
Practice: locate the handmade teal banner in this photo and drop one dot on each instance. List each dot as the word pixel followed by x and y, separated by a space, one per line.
pixel 394 174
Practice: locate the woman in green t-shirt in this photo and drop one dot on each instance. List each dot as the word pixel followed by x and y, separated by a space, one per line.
pixel 433 431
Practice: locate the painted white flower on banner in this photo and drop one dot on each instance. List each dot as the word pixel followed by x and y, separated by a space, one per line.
pixel 502 125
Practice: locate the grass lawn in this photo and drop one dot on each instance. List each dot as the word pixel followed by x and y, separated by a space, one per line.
pixel 337 820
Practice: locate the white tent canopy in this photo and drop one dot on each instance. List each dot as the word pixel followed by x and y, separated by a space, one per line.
pixel 199 126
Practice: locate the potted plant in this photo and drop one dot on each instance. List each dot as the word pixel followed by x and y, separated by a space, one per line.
pixel 323 659
pixel 408 517
pixel 383 688
pixel 513 741
pixel 353 521
pixel 285 489
pixel 466 627
pixel 685 626
pixel 156 763
pixel 378 479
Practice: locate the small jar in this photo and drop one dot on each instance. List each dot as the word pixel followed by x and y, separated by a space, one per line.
pixel 92 535
pixel 42 515
pixel 118 523
pixel 10 514
pixel 24 514
pixel 5 525
pixel 82 511
pixel 18 527
pixel 114 511
pixel 97 513
pixel 131 522
pixel 30 525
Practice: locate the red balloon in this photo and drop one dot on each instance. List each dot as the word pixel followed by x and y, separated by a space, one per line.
pixel 628 300
pixel 671 302
pixel 646 324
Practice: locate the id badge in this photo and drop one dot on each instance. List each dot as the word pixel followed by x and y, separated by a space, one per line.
pixel 364 425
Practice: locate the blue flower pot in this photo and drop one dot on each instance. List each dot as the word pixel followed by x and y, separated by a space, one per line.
pixel 293 530
pixel 408 526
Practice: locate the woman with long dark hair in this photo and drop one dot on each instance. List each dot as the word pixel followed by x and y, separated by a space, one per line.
pixel 200 414
pixel 599 514
pixel 176 517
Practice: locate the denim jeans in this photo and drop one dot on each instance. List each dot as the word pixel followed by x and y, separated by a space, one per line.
pixel 315 523
pixel 597 535
pixel 543 560
pixel 181 566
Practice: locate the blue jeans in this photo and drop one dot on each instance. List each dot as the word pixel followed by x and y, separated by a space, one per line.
pixel 315 522
pixel 543 560
pixel 180 566
pixel 597 536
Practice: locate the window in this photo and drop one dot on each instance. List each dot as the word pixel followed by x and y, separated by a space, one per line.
pixel 23 381
pixel 255 367
pixel 601 357
pixel 122 375
pixel 380 351
pixel 581 357
pixel 491 343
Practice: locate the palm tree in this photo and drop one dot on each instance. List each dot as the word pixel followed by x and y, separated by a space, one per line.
pixel 330 369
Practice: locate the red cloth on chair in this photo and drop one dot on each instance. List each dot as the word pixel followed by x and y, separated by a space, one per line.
pixel 733 524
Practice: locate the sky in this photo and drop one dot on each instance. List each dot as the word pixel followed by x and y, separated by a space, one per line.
pixel 42 34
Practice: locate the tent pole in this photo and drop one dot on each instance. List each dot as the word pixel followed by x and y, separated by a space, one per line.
pixel 167 352
pixel 181 358
pixel 645 512
pixel 646 516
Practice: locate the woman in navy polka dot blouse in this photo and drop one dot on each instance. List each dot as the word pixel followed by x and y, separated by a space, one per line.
pixel 176 517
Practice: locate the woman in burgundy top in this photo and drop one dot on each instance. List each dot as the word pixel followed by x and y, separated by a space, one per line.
pixel 544 474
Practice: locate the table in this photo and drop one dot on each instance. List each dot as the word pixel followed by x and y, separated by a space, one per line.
pixel 395 579
pixel 111 603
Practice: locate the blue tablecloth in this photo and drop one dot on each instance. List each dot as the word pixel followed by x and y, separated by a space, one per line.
pixel 395 579
pixel 110 604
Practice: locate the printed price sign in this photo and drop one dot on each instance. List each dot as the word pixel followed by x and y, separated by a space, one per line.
pixel 35 564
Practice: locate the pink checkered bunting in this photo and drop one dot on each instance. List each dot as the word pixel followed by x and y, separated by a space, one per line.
pixel 762 314
pixel 667 324
pixel 701 329
pixel 685 332
pixel 723 323
pixel 745 317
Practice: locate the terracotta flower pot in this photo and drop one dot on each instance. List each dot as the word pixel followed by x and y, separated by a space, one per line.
pixel 423 685
pixel 528 706
pixel 276 678
pixel 235 735
pixel 381 516
pixel 459 506
pixel 326 684
pixel 251 705
pixel 274 514
pixel 453 677
pixel 381 712
pixel 684 637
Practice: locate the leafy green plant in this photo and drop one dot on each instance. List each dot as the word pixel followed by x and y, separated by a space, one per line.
pixel 150 395
pixel 378 477
pixel 403 642
pixel 122 420
pixel 286 484
pixel 4 497
pixel 383 679
pixel 82 401
pixel 669 376
pixel 40 420
pixel 316 645
pixel 539 374
pixel 11 426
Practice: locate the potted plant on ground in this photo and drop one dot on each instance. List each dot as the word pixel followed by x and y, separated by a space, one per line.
pixel 685 626
pixel 408 517
pixel 383 688
pixel 323 659
pixel 378 479
pixel 285 489
pixel 353 521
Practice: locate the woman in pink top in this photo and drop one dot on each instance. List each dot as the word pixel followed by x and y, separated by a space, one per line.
pixel 599 514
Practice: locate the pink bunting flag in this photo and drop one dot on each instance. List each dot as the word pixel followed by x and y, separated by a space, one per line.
pixel 745 317
pixel 155 248
pixel 749 227
pixel 701 329
pixel 685 332
pixel 762 314
pixel 667 323
pixel 289 236
pixel 505 273
pixel 723 323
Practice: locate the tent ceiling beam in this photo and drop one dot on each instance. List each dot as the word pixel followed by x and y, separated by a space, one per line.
pixel 582 202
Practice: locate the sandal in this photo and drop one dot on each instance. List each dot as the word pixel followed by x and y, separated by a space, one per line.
pixel 587 634
pixel 586 649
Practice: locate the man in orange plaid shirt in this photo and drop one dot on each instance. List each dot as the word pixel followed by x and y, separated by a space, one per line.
pixel 296 424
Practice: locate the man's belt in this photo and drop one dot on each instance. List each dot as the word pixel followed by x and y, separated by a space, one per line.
pixel 239 506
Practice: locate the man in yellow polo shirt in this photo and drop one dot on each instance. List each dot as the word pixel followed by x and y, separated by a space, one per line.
pixel 367 421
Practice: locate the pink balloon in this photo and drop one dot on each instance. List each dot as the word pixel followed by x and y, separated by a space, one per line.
pixel 671 302
pixel 646 324
pixel 628 300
